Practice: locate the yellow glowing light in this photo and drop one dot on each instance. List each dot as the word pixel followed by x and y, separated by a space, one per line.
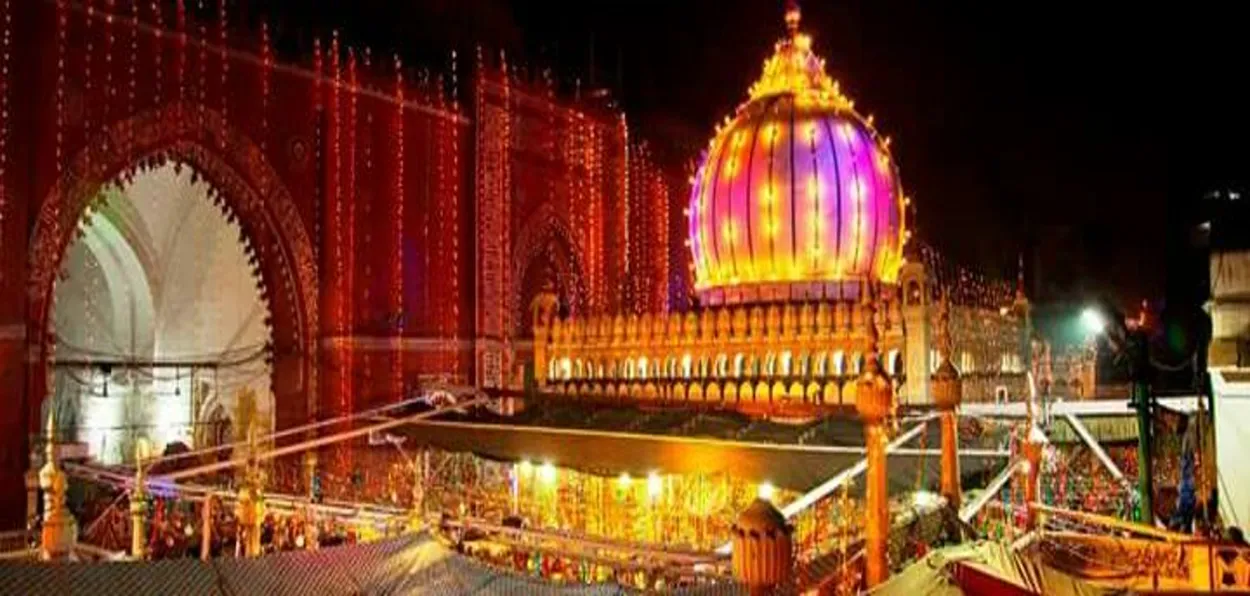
pixel 771 228
pixel 848 132
pixel 857 190
pixel 526 467
pixel 730 232
pixel 547 473
pixel 655 485
pixel 624 480
pixel 883 162
pixel 767 491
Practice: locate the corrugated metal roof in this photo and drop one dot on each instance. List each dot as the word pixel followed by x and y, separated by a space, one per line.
pixel 416 564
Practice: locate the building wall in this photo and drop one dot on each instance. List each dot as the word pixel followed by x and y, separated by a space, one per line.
pixel 399 220
pixel 1230 308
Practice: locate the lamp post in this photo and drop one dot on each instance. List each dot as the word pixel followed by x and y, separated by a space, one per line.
pixel 1131 344
pixel 1142 400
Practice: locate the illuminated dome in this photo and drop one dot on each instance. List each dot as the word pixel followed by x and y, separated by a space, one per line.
pixel 797 193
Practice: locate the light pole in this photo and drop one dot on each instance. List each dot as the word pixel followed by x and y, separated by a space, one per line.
pixel 1131 346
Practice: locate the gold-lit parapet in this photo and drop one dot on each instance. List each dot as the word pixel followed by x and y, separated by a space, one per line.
pixel 780 358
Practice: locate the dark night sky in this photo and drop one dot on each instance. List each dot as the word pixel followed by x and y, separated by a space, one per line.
pixel 1079 134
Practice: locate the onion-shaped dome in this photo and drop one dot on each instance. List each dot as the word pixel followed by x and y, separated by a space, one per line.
pixel 797 192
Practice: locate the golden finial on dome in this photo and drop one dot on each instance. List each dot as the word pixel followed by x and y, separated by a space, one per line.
pixel 793 16
pixel 794 69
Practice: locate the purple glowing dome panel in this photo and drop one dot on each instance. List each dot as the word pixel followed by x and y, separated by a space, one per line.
pixel 788 195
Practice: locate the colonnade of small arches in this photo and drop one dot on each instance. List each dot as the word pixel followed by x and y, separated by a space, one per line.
pixel 825 322
pixel 794 353
pixel 728 393
pixel 815 378
pixel 740 365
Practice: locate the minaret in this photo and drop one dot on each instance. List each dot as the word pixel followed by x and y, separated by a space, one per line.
pixel 874 399
pixel 947 395
pixel 793 16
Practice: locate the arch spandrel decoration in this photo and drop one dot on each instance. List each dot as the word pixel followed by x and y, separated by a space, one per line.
pixel 542 229
pixel 246 186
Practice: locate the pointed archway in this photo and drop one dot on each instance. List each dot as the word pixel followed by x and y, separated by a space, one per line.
pixel 249 191
pixel 547 259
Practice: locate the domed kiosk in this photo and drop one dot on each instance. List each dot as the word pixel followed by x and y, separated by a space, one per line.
pixel 797 193
pixel 795 211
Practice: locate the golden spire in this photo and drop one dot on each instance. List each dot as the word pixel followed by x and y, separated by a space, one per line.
pixel 50 439
pixel 794 69
pixel 793 16
pixel 60 531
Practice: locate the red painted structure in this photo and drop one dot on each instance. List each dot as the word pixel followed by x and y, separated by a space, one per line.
pixel 400 225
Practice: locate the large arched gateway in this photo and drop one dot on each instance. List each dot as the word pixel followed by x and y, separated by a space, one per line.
pixel 384 227
pixel 158 320
pixel 129 290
